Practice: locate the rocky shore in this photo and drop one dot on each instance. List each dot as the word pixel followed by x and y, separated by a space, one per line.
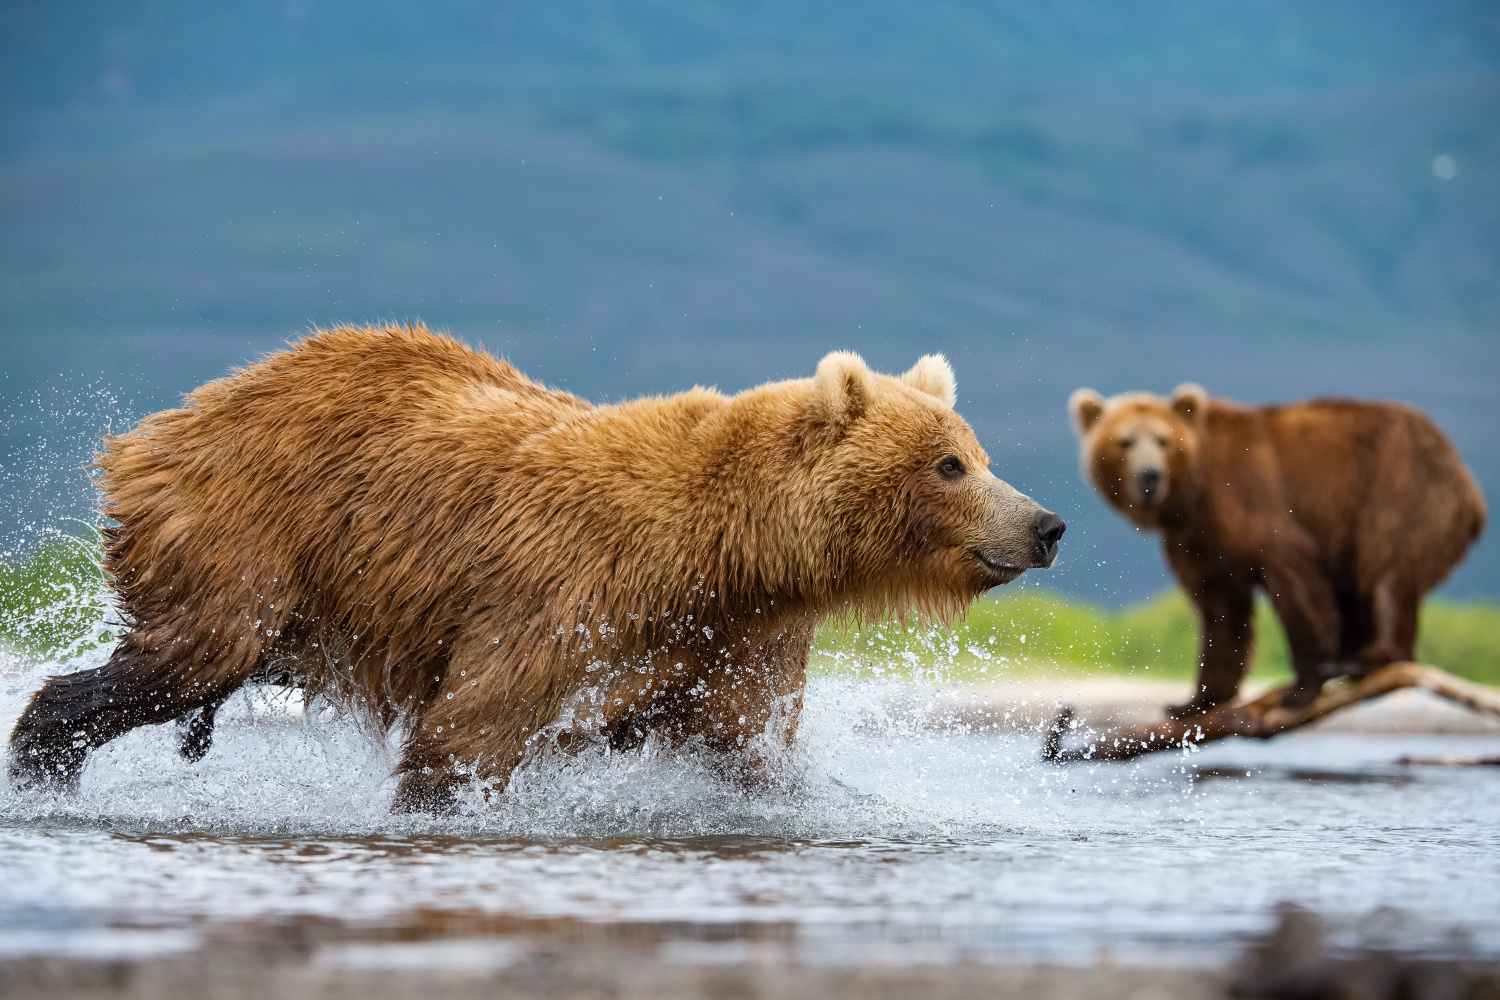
pixel 307 962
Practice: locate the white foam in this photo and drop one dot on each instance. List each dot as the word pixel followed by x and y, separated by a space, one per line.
pixel 880 833
pixel 855 770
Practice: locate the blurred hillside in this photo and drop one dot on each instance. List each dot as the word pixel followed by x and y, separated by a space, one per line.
pixel 1273 200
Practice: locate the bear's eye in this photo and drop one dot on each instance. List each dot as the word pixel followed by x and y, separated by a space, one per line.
pixel 1161 442
pixel 949 467
pixel 1127 443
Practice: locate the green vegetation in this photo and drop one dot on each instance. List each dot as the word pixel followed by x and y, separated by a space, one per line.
pixel 52 599
pixel 1032 631
pixel 52 602
pixel 1463 638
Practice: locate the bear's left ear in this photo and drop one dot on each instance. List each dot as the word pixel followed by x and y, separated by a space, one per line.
pixel 842 387
pixel 933 375
pixel 1189 400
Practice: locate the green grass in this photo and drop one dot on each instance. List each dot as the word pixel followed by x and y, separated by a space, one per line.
pixel 1035 631
pixel 52 599
pixel 1463 638
pixel 52 603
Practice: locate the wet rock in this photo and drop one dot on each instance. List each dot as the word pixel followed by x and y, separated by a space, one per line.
pixel 1295 963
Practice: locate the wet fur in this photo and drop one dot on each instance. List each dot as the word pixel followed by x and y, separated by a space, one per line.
pixel 388 518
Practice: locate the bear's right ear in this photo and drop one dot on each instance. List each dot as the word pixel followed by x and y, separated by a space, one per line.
pixel 1087 406
pixel 933 375
pixel 841 387
pixel 1189 400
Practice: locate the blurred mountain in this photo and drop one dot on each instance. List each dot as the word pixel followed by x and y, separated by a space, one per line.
pixel 1275 199
pixel 343 55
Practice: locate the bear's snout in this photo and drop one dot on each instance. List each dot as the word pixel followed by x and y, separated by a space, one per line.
pixel 1018 534
pixel 1148 484
pixel 1047 529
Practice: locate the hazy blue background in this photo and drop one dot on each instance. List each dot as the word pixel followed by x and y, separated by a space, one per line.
pixel 1276 199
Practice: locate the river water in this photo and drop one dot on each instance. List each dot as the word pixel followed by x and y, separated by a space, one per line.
pixel 885 841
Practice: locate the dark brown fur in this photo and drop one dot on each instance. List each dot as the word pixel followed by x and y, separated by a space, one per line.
pixel 1345 513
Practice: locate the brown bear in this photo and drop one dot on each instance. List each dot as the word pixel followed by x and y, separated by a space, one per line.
pixel 1344 513
pixel 393 520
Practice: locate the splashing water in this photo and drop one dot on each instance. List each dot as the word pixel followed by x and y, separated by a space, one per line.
pixel 884 835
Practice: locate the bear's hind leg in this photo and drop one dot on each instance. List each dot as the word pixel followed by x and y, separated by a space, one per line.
pixel 196 736
pixel 1303 594
pixel 1393 633
pixel 139 686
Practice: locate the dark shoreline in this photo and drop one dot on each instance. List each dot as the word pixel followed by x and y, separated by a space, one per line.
pixel 308 959
pixel 553 972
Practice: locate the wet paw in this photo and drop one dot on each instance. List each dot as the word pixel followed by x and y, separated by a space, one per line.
pixel 426 790
pixel 196 733
pixel 38 766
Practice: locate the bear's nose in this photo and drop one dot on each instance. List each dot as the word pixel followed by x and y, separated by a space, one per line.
pixel 1150 481
pixel 1048 528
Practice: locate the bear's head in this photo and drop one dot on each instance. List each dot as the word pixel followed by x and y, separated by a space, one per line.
pixel 1140 450
pixel 912 505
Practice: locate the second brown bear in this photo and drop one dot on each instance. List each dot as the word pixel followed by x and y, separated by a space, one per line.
pixel 1344 513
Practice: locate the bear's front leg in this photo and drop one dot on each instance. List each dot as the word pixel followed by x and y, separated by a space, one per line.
pixel 441 755
pixel 475 719
pixel 738 702
pixel 1226 607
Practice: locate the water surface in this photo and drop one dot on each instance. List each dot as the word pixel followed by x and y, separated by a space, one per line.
pixel 883 841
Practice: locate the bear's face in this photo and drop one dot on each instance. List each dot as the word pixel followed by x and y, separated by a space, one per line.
pixel 979 531
pixel 1139 450
pixel 911 476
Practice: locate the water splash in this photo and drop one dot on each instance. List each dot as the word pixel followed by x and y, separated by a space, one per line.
pixel 891 826
pixel 863 766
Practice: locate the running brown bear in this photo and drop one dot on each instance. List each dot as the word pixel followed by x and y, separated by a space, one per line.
pixel 395 520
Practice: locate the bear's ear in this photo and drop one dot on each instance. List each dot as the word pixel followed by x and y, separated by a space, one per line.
pixel 842 387
pixel 933 375
pixel 1087 406
pixel 1189 400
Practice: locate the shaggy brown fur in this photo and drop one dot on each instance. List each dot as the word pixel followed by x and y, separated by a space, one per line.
pixel 1346 513
pixel 395 520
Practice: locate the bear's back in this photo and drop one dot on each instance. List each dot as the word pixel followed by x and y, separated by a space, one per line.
pixel 1357 469
pixel 1360 447
pixel 316 455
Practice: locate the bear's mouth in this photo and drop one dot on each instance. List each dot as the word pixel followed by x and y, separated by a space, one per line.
pixel 1004 572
